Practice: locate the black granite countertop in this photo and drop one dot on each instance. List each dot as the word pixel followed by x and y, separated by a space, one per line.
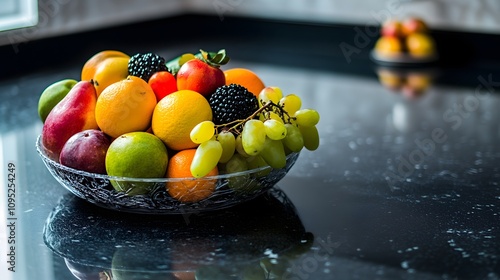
pixel 405 183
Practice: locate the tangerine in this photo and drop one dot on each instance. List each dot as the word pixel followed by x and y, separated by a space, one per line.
pixel 189 190
pixel 246 78
pixel 176 115
pixel 125 106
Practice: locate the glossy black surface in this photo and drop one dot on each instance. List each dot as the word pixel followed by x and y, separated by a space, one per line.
pixel 403 186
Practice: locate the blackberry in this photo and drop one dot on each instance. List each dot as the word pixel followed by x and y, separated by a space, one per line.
pixel 145 65
pixel 232 102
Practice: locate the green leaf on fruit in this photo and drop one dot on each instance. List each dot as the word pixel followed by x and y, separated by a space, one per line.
pixel 215 59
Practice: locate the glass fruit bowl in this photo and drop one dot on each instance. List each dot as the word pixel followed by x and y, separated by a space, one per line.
pixel 230 189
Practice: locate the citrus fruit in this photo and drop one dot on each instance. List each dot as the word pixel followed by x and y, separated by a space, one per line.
pixel 125 106
pixel 388 46
pixel 90 66
pixel 420 44
pixel 136 155
pixel 246 78
pixel 176 115
pixel 109 71
pixel 189 190
pixel 52 95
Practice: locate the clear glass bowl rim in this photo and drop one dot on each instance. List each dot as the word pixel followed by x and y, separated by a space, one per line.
pixel 40 150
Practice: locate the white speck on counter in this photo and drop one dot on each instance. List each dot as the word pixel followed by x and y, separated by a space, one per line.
pixel 405 265
pixel 269 252
pixel 353 145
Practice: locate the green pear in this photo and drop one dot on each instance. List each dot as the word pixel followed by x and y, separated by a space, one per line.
pixel 52 95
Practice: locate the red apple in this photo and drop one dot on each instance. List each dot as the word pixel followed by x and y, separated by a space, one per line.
pixel 203 74
pixel 391 28
pixel 163 83
pixel 414 25
pixel 86 151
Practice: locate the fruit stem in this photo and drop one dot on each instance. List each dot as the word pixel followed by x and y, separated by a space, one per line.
pixel 234 125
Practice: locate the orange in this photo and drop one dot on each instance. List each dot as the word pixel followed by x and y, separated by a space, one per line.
pixel 90 66
pixel 110 71
pixel 245 78
pixel 176 115
pixel 189 190
pixel 125 106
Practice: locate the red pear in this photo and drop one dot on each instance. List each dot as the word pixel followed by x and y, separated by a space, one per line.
pixel 74 113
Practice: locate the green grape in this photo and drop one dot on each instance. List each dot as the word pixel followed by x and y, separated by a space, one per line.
pixel 239 146
pixel 293 139
pixel 274 153
pixel 253 137
pixel 311 137
pixel 269 115
pixel 206 157
pixel 307 117
pixel 291 103
pixel 242 183
pixel 236 163
pixel 270 94
pixel 228 143
pixel 274 129
pixel 202 132
pixel 257 161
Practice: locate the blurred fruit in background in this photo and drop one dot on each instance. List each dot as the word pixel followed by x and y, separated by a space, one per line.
pixel 392 28
pixel 413 25
pixel 389 46
pixel 420 44
pixel 409 37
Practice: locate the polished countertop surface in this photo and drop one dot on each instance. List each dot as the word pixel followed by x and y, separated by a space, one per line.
pixel 404 185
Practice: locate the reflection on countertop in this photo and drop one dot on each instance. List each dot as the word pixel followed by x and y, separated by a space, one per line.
pixel 257 238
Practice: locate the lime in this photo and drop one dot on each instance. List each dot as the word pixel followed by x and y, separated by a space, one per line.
pixel 52 95
pixel 136 155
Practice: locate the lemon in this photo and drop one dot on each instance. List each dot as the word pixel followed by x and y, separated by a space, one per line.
pixel 136 155
pixel 110 71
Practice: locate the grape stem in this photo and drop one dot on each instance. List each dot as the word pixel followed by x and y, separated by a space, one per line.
pixel 269 106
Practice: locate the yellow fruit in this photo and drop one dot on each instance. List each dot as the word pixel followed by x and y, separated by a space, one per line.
pixel 420 44
pixel 90 66
pixel 245 78
pixel 191 190
pixel 125 106
pixel 110 71
pixel 176 115
pixel 136 155
pixel 388 46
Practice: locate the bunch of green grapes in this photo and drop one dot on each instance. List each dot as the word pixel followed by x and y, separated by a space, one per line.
pixel 279 127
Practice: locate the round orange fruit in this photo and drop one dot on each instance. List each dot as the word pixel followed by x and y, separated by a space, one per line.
pixel 246 78
pixel 90 66
pixel 191 189
pixel 125 106
pixel 176 115
pixel 110 71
